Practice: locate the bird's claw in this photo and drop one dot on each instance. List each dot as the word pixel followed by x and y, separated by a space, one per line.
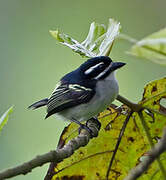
pixel 83 126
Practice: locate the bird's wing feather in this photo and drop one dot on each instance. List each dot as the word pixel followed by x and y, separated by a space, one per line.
pixel 68 95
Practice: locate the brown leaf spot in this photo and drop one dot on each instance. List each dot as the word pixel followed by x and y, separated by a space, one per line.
pixel 134 129
pixel 75 177
pixel 155 102
pixel 81 152
pixel 157 130
pixel 117 174
pixel 97 174
pixel 154 89
pixel 108 127
pixel 130 139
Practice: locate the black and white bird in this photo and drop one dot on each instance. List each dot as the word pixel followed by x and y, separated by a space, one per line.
pixel 83 93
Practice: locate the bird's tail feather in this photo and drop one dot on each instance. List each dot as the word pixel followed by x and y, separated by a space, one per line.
pixel 38 104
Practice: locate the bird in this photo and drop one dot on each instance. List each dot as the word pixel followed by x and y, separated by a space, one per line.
pixel 83 93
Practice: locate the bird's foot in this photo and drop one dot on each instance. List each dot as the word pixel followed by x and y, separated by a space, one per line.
pixel 94 119
pixel 87 125
pixel 87 128
pixel 84 126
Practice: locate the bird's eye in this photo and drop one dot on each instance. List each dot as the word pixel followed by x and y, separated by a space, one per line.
pixel 101 65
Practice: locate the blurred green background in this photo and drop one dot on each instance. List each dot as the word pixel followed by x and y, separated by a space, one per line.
pixel 32 62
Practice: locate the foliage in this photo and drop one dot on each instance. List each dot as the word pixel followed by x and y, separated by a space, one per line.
pixel 152 47
pixel 97 42
pixel 4 118
pixel 93 161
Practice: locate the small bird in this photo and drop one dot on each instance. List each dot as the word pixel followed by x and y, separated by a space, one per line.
pixel 83 93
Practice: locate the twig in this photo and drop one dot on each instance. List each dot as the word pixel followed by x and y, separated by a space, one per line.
pixel 54 156
pixel 154 153
pixel 118 143
pixel 133 106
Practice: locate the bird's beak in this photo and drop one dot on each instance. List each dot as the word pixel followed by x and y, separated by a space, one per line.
pixel 116 65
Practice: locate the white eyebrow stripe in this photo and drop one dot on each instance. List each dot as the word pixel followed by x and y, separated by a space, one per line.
pixel 88 71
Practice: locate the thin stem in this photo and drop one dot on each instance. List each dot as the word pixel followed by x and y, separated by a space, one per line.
pixel 127 38
pixel 155 111
pixel 134 41
pixel 88 157
pixel 133 106
pixel 118 143
pixel 154 50
pixel 145 126
pixel 154 174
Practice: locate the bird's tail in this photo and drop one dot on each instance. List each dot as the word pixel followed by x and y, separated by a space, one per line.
pixel 38 104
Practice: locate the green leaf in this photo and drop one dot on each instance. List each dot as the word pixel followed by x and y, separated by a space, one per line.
pixel 4 117
pixel 98 41
pixel 152 47
pixel 93 160
pixel 155 117
pixel 154 93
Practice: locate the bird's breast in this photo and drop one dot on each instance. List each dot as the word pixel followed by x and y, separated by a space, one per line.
pixel 106 92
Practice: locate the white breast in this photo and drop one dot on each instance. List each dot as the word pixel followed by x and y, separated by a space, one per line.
pixel 106 92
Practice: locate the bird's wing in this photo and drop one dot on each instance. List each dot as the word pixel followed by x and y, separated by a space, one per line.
pixel 68 95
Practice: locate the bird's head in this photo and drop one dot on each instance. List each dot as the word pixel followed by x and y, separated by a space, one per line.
pixel 99 67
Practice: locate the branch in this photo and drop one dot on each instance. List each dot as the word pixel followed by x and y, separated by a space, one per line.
pixel 54 156
pixel 133 106
pixel 154 153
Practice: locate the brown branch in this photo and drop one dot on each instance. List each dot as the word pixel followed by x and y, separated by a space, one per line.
pixel 153 154
pixel 54 156
pixel 135 107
